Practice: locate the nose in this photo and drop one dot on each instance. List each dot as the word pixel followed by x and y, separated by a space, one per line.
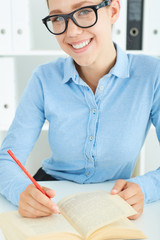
pixel 72 29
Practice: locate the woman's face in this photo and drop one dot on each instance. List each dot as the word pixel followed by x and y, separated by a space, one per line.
pixel 84 45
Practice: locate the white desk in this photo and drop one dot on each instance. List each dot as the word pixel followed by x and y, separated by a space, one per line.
pixel 149 222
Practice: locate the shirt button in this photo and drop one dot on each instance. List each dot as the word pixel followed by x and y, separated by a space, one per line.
pixel 87 174
pixel 91 138
pixel 101 88
pixel 94 110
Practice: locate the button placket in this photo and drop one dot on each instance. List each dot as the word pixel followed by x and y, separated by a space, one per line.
pixel 91 132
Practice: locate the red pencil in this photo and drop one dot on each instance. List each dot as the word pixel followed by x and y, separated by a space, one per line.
pixel 27 173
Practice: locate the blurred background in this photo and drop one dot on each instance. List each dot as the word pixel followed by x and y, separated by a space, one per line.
pixel 25 44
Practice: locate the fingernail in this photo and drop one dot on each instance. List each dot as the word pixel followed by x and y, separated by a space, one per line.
pixel 114 191
pixel 56 209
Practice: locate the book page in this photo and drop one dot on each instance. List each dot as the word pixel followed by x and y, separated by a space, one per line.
pixel 123 229
pixel 90 211
pixel 12 224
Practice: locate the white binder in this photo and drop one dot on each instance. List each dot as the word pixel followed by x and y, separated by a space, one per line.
pixel 119 28
pixel 20 24
pixel 151 33
pixel 5 25
pixel 7 92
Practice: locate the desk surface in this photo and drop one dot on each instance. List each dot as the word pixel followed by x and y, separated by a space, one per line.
pixel 149 222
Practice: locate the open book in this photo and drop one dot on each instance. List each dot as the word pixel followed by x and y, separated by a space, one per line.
pixel 93 215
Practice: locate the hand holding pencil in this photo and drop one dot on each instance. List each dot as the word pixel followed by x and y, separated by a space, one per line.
pixel 35 201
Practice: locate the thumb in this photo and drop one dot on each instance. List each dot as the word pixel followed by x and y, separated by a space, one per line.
pixel 50 192
pixel 119 185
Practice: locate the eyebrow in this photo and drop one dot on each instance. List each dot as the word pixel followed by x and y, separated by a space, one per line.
pixel 74 6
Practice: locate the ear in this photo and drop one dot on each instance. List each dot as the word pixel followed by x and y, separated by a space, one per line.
pixel 115 10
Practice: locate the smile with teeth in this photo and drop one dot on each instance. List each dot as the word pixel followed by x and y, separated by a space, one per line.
pixel 82 44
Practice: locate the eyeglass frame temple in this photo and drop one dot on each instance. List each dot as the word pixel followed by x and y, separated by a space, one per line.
pixel 105 3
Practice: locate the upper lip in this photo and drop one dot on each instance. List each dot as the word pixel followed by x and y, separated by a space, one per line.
pixel 81 41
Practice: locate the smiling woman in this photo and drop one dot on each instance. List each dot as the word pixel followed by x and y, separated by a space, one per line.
pixel 99 102
pixel 85 34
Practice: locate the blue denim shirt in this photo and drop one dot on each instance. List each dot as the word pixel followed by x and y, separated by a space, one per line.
pixel 93 137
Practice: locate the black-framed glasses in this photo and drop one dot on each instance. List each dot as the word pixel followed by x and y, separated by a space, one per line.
pixel 84 17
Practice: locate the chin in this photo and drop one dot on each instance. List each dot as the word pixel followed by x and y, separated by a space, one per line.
pixel 84 62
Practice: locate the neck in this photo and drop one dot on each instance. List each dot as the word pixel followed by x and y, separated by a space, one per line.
pixel 93 73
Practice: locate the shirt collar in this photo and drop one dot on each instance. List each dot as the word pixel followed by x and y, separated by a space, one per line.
pixel 70 72
pixel 120 69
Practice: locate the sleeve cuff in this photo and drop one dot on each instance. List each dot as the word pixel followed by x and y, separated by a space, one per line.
pixel 149 184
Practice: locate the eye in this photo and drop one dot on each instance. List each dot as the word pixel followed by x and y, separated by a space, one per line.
pixel 56 19
pixel 84 12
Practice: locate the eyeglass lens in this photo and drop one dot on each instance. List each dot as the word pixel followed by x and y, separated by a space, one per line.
pixel 83 18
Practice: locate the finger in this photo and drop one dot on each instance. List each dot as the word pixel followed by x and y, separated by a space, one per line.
pixel 119 186
pixel 44 200
pixel 29 211
pixel 38 206
pixel 134 217
pixel 135 199
pixel 127 193
pixel 50 192
pixel 138 207
pixel 132 194
pixel 27 202
pixel 25 213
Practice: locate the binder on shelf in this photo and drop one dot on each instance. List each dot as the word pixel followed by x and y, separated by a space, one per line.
pixel 5 26
pixel 7 92
pixel 151 38
pixel 134 24
pixel 20 24
pixel 119 27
